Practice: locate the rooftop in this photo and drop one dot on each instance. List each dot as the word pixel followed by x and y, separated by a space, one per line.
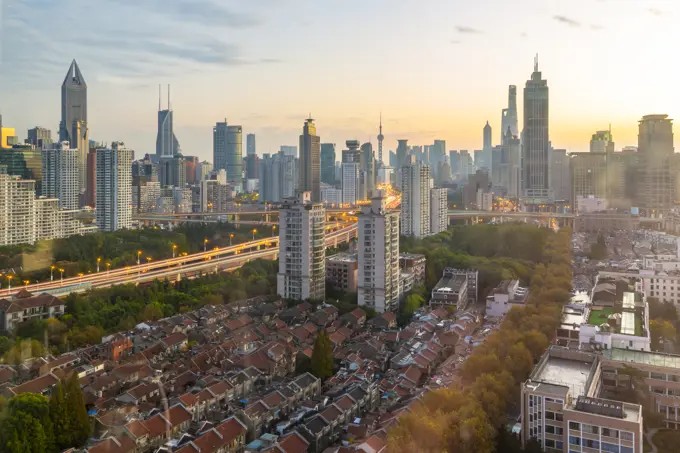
pixel 571 369
pixel 450 284
pixel 342 258
pixel 644 358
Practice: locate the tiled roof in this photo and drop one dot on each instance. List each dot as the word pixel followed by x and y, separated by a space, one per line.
pixel 293 443
pixel 174 339
pixel 37 385
pixel 171 418
pixel 137 428
pixel 122 444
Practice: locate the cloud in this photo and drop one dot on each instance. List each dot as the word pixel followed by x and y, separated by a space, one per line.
pixel 656 11
pixel 470 30
pixel 567 21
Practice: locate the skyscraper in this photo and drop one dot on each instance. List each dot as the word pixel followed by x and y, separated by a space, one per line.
pixel 310 161
pixel 368 170
pixel 60 174
pixel 39 137
pixel 486 148
pixel 381 137
pixel 656 185
pixel 379 282
pixel 439 219
pixel 535 140
pixel 91 189
pixel 114 187
pixel 17 210
pixel 250 145
pixel 328 163
pixel 509 116
pixel 73 126
pixel 166 141
pixel 228 151
pixel 302 262
pixel 602 142
pixel 402 153
pixel 415 200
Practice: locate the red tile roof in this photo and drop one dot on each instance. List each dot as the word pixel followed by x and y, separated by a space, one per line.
pixel 169 419
pixel 37 385
pixel 137 428
pixel 188 399
pixel 174 339
pixel 293 443
pixel 122 444
pixel 345 403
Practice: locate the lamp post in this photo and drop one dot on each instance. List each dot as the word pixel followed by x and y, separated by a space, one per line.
pixel 148 262
pixel 62 275
pixel 231 236
pixel 108 266
pixel 139 254
pixel 254 232
pixel 205 245
pixel 99 260
pixel 273 230
pixel 174 249
pixel 26 282
pixel 52 273
pixel 9 278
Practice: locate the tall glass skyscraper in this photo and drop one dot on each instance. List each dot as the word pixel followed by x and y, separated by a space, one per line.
pixel 328 163
pixel 310 161
pixel 73 125
pixel 228 151
pixel 166 141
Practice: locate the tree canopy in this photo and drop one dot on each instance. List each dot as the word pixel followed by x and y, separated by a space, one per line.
pixel 322 356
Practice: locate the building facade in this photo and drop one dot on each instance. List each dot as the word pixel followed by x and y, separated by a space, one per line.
pixel 415 200
pixel 73 125
pixel 328 163
pixel 310 161
pixel 60 174
pixel 114 187
pixel 228 151
pixel 342 272
pixel 302 263
pixel 439 211
pixel 656 185
pixel 379 282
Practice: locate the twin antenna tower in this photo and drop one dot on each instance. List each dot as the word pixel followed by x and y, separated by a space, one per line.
pixel 159 97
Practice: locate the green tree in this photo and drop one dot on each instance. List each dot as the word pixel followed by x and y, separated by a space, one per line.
pixel 598 251
pixel 661 330
pixel 61 419
pixel 5 345
pixel 322 356
pixel 79 422
pixel 27 427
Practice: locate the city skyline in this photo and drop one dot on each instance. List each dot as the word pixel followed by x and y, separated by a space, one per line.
pixel 453 105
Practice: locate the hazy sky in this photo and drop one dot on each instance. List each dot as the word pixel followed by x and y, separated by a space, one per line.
pixel 437 69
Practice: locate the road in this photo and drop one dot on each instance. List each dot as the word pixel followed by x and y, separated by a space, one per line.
pixel 175 268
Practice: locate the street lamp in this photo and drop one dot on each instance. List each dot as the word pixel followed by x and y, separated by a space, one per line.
pixel 80 274
pixel 62 275
pixel 139 254
pixel 231 236
pixel 174 249
pixel 26 282
pixel 9 278
pixel 108 266
pixel 52 273
pixel 205 245
pixel 99 260
pixel 273 230
pixel 254 231
pixel 148 261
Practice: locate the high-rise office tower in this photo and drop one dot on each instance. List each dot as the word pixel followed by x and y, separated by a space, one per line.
pixel 250 145
pixel 368 170
pixel 302 262
pixel 39 137
pixel 310 161
pixel 560 175
pixel 167 144
pixel 114 187
pixel 252 166
pixel 73 126
pixel 278 177
pixel 509 116
pixel 535 140
pixel 24 161
pixel 60 174
pixel 656 184
pixel 381 137
pixel 190 163
pixel 415 200
pixel 328 163
pixel 588 175
pixel 439 218
pixel 379 280
pixel 172 171
pixel 351 182
pixel 402 153
pixel 509 171
pixel 602 142
pixel 228 151
pixel 486 149
pixel 352 153
pixel 289 150
pixel 435 156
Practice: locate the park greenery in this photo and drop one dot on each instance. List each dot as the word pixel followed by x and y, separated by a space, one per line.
pixel 472 416
pixel 79 254
pixel 32 423
pixel 322 357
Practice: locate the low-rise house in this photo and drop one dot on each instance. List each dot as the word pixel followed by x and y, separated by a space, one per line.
pixel 175 342
pixel 164 426
pixel 120 444
pixel 141 393
pixel 355 319
pixel 28 307
pixel 306 386
pixel 316 431
pixel 62 362
pixel 42 385
pixel 227 437
pixel 385 321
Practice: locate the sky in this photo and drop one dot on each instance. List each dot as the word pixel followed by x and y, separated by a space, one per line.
pixel 435 69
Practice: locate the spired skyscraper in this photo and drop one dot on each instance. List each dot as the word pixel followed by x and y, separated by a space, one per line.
pixel 73 125
pixel 166 141
pixel 536 141
pixel 310 161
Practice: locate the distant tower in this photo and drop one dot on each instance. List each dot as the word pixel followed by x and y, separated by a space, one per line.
pixel 536 140
pixel 310 161
pixel 509 116
pixel 166 141
pixel 73 126
pixel 381 137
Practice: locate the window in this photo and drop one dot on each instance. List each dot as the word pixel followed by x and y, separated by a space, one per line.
pixel 625 435
pixel 549 429
pixel 549 443
pixel 611 448
pixel 591 429
pixel 575 426
pixel 626 449
pixel 659 376
pixel 574 440
pixel 559 417
pixel 549 415
pixel 610 433
pixel 591 443
pixel 559 445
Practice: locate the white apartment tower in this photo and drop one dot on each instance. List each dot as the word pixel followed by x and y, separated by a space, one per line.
pixel 60 175
pixel 114 187
pixel 302 249
pixel 415 200
pixel 350 183
pixel 438 210
pixel 17 210
pixel 379 281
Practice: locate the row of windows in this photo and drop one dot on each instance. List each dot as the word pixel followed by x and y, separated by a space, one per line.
pixel 558 444
pixel 605 446
pixel 608 432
